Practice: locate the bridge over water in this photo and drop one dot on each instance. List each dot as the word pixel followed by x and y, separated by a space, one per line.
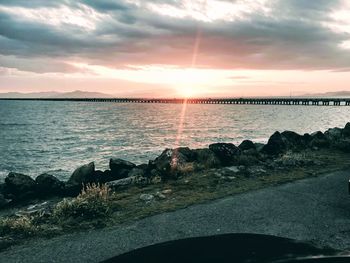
pixel 249 101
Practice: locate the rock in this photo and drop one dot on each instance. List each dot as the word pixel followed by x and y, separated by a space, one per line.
pixel 230 178
pixel 233 169
pixel 293 140
pixel 226 152
pixel 20 186
pixel 83 175
pixel 48 185
pixel 142 180
pixel 160 195
pixel 146 197
pixel 346 130
pixel 334 134
pixel 121 182
pixel 117 164
pixel 42 209
pixel 247 145
pixel 275 145
pixel 319 140
pixel 259 146
pixel 120 168
pixel 173 162
pixel 136 172
pixel 206 159
pixel 167 191
pixel 342 145
pixel 155 180
pixel 99 176
pixel 247 159
pixel 3 201
pixel 256 170
pixel 106 176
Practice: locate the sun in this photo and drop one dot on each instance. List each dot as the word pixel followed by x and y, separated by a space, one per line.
pixel 187 92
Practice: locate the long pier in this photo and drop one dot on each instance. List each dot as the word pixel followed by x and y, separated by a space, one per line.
pixel 242 101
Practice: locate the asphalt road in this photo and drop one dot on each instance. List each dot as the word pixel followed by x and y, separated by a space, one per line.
pixel 316 210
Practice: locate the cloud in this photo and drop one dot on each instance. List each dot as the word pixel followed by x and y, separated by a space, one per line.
pixel 275 34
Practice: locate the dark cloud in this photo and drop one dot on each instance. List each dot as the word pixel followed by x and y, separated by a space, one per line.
pixel 293 36
pixel 107 5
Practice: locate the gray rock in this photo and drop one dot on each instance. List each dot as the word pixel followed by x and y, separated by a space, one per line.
pixel 206 159
pixel 82 175
pixel 256 170
pixel 275 145
pixel 43 209
pixel 136 172
pixel 343 145
pixel 247 145
pixel 20 186
pixel 334 134
pixel 121 183
pixel 293 140
pixel 160 195
pixel 142 180
pixel 346 130
pixel 259 146
pixel 226 152
pixel 48 185
pixel 167 191
pixel 319 140
pixel 171 162
pixel 117 164
pixel 233 169
pixel 120 168
pixel 146 197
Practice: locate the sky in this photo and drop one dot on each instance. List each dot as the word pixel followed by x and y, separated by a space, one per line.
pixel 175 48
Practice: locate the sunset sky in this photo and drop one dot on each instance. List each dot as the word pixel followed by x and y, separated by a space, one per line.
pixel 162 48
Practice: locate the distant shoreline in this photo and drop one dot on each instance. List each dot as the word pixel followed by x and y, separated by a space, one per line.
pixel 284 101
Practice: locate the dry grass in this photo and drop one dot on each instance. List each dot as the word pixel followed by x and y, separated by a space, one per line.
pixel 22 226
pixel 95 201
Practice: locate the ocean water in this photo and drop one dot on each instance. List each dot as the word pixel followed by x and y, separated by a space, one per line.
pixel 57 137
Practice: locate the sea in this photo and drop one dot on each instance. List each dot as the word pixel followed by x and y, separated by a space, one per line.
pixel 56 136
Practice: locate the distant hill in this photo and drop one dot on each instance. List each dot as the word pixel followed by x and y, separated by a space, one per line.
pixel 28 95
pixel 81 94
pixel 55 95
pixel 343 93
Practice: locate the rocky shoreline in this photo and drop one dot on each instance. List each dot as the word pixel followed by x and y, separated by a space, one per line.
pixel 248 159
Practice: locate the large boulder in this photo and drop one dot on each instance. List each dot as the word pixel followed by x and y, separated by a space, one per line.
pixel 48 185
pixel 205 159
pixel 275 145
pixel 247 145
pixel 293 140
pixel 83 175
pixel 319 140
pixel 19 186
pixel 334 134
pixel 120 168
pixel 226 152
pixel 173 162
pixel 346 130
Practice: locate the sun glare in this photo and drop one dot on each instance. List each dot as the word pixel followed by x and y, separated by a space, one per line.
pixel 187 92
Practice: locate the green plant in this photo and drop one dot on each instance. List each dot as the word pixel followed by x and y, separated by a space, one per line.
pixel 95 201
